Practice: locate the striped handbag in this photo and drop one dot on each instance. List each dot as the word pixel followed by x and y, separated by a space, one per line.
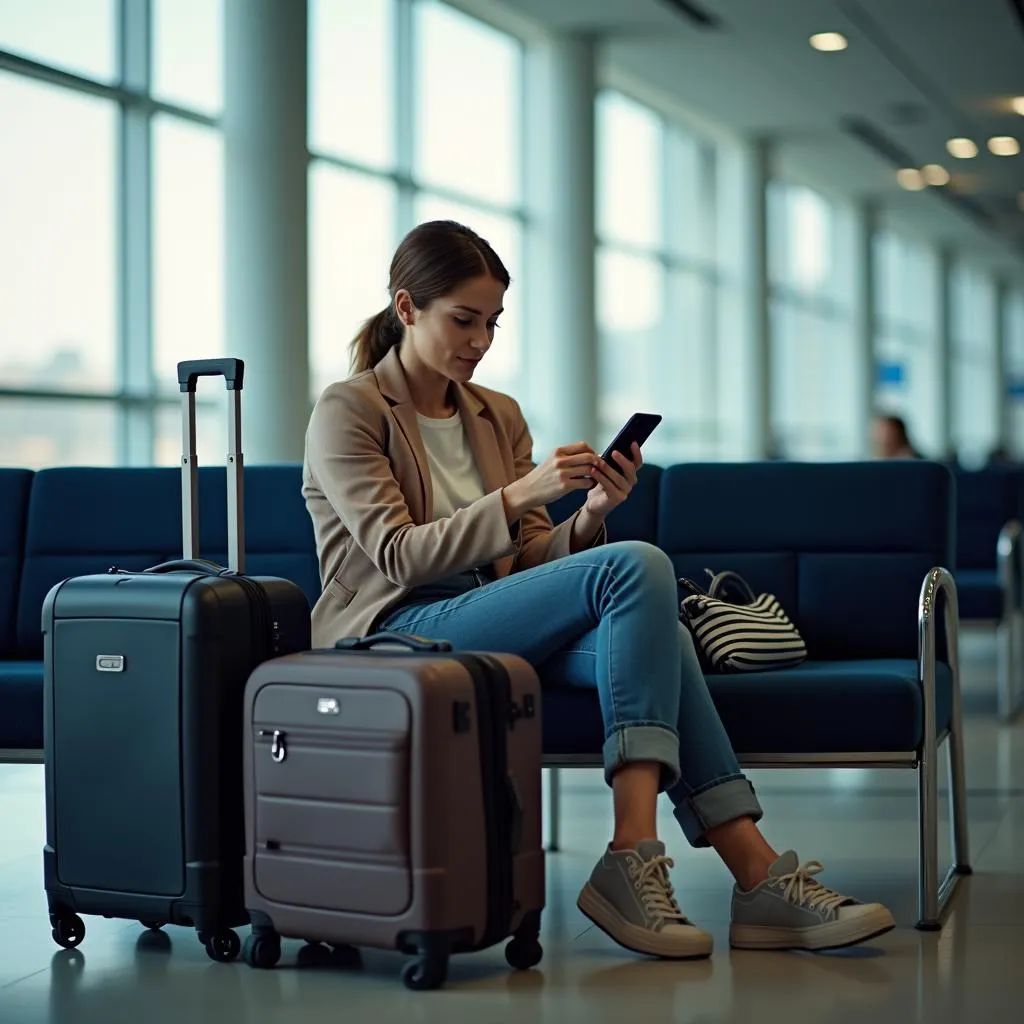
pixel 736 630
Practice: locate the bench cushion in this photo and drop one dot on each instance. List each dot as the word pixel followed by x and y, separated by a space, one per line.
pixel 979 594
pixel 85 520
pixel 21 705
pixel 817 707
pixel 14 491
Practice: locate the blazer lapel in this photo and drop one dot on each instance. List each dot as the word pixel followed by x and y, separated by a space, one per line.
pixel 392 383
pixel 495 470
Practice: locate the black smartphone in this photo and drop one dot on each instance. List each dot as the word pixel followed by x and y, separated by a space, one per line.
pixel 638 428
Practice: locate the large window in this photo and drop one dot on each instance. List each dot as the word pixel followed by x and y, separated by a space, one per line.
pixel 419 145
pixel 813 357
pixel 908 369
pixel 111 204
pixel 974 376
pixel 656 280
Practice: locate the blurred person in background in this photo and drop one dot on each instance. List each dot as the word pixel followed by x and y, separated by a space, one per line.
pixel 891 439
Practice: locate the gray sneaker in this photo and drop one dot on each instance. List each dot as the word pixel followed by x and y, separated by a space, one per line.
pixel 629 897
pixel 790 910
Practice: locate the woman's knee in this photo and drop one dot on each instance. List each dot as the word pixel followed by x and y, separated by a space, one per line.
pixel 646 560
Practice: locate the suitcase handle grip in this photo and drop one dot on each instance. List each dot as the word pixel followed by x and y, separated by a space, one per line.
pixel 190 370
pixel 199 565
pixel 412 642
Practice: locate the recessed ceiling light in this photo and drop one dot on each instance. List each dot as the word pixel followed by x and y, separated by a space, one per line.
pixel 935 174
pixel 829 42
pixel 1018 104
pixel 962 149
pixel 1004 145
pixel 911 179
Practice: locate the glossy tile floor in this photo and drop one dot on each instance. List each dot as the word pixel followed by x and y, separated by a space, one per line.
pixel 860 824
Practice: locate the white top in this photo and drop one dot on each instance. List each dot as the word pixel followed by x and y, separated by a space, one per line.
pixel 453 470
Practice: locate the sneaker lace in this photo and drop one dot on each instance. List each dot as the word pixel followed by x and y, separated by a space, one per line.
pixel 801 887
pixel 650 878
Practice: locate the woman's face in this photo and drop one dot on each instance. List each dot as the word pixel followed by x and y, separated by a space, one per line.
pixel 455 331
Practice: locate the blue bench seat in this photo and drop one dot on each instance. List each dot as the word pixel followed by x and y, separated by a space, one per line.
pixel 837 707
pixel 21 705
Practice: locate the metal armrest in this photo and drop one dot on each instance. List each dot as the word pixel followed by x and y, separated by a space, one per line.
pixel 938 583
pixel 1009 563
pixel 933 895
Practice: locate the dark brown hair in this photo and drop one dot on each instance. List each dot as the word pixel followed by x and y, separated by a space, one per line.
pixel 431 261
pixel 899 425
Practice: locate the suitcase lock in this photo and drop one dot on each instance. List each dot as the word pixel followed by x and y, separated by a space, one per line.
pixel 278 750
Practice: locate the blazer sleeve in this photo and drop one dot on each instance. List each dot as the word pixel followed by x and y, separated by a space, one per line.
pixel 345 451
pixel 539 540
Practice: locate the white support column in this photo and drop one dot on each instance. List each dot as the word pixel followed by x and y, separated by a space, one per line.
pixel 944 339
pixel 1001 368
pixel 744 335
pixel 135 230
pixel 863 306
pixel 266 231
pixel 560 267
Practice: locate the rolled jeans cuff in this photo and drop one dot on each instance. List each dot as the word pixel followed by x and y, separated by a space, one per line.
pixel 724 801
pixel 630 744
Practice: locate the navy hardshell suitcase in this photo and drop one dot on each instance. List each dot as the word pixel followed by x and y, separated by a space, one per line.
pixel 144 680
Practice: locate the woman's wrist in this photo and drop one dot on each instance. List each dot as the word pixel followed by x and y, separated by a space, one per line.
pixel 586 527
pixel 515 502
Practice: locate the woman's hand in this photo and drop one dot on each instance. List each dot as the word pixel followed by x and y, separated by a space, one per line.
pixel 612 484
pixel 564 470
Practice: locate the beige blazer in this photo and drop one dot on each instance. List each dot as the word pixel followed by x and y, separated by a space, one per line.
pixel 367 487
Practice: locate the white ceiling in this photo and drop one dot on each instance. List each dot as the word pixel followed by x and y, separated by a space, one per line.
pixel 953 64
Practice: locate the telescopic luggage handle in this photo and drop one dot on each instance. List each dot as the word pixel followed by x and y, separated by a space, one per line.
pixel 232 370
pixel 189 372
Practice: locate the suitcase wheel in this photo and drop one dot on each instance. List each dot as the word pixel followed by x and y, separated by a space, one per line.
pixel 262 951
pixel 153 926
pixel 522 954
pixel 223 946
pixel 68 929
pixel 425 972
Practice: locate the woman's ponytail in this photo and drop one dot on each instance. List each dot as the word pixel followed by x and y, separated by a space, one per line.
pixel 431 261
pixel 379 334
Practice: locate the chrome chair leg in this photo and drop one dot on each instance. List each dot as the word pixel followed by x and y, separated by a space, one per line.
pixel 928 840
pixel 554 810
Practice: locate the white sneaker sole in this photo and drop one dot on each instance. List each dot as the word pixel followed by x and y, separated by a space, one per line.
pixel 833 935
pixel 641 940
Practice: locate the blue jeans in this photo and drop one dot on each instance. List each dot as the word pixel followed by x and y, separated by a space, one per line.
pixel 608 617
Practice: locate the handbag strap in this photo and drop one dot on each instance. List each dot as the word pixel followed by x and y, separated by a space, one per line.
pixel 693 588
pixel 723 580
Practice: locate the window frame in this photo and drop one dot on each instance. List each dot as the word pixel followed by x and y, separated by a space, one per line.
pixel 136 395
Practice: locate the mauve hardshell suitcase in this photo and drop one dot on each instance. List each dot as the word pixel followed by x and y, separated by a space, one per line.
pixel 144 676
pixel 393 799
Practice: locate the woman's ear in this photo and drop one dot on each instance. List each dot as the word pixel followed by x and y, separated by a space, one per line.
pixel 405 308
